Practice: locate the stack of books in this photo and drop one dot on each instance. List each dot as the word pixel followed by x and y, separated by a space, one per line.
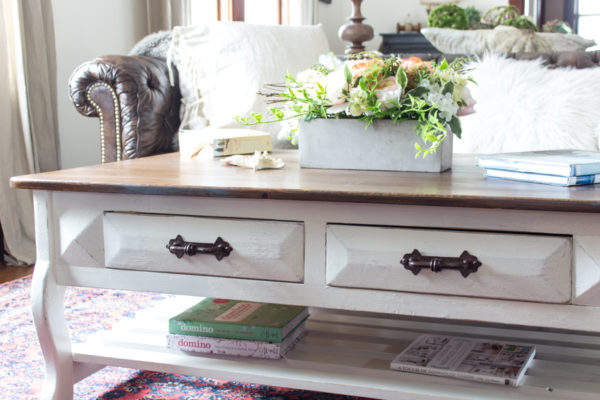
pixel 237 328
pixel 466 358
pixel 553 167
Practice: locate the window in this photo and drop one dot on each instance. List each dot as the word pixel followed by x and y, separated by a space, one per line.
pixel 262 12
pixel 587 20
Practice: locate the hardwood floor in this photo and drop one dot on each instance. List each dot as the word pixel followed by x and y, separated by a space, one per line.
pixel 8 273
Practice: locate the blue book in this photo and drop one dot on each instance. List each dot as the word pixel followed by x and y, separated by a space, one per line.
pixel 547 162
pixel 542 178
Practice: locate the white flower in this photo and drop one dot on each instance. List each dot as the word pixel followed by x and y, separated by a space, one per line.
pixel 443 102
pixel 357 102
pixel 388 92
pixel 334 83
pixel 310 75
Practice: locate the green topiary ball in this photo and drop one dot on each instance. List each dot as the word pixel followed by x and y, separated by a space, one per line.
pixel 473 17
pixel 448 16
pixel 521 22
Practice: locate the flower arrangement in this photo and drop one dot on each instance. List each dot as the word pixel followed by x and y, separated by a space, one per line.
pixel 375 88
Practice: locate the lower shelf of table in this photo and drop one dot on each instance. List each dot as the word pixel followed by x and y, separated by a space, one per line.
pixel 350 354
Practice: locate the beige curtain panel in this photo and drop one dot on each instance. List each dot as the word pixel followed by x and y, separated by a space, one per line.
pixel 163 15
pixel 29 138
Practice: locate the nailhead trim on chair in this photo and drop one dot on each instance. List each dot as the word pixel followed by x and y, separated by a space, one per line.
pixel 101 117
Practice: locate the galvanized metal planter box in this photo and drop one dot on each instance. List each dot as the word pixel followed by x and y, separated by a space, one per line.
pixel 346 144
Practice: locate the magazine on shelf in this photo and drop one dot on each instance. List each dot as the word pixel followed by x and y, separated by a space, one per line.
pixel 234 319
pixel 464 358
pixel 541 178
pixel 236 347
pixel 548 162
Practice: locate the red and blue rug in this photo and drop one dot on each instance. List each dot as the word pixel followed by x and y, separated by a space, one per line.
pixel 21 363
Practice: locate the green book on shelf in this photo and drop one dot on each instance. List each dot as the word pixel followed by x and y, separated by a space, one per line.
pixel 234 319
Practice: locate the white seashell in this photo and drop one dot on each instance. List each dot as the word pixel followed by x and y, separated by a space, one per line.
pixel 256 161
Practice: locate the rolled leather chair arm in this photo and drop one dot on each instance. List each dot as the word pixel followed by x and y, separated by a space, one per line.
pixel 135 102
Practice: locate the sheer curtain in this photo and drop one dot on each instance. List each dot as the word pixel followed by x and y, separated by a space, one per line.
pixel 29 133
pixel 165 14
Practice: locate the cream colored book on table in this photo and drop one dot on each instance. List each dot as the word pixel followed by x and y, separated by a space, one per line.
pixel 222 141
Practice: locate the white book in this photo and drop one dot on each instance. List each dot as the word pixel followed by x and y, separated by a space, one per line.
pixel 222 141
pixel 548 162
pixel 542 178
pixel 236 347
pixel 464 358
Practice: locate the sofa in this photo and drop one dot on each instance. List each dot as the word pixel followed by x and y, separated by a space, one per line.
pixel 137 97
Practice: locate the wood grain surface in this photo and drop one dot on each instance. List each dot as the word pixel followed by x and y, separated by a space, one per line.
pixel 463 186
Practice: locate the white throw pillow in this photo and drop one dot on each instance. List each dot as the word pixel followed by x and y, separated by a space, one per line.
pixel 502 39
pixel 223 65
pixel 522 106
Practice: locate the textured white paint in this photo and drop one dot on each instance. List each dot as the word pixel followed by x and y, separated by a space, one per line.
pixel 269 250
pixel 587 271
pixel 65 218
pixel 518 267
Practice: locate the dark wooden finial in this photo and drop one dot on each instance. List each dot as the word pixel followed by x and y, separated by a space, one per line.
pixel 355 32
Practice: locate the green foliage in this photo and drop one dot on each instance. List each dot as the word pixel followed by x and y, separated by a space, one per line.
pixel 473 17
pixel 448 16
pixel 522 22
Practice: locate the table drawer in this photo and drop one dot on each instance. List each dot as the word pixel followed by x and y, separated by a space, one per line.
pixel 513 266
pixel 262 249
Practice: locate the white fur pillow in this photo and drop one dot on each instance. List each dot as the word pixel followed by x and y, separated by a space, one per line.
pixel 522 105
pixel 222 66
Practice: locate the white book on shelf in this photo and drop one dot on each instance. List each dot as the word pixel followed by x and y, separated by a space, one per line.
pixel 548 162
pixel 236 347
pixel 542 178
pixel 490 361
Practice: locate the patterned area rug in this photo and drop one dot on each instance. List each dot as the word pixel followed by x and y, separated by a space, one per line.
pixel 21 363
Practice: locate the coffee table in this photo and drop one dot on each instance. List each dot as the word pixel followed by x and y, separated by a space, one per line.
pixel 342 242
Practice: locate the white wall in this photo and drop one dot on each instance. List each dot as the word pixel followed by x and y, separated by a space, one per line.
pixel 86 29
pixel 382 15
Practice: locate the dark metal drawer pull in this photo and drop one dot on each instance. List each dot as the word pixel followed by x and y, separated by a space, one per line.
pixel 466 263
pixel 179 247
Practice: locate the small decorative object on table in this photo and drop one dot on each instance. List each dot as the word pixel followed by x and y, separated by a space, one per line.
pixel 255 161
pixel 390 97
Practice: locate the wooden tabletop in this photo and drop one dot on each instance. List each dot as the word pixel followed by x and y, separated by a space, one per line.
pixel 462 186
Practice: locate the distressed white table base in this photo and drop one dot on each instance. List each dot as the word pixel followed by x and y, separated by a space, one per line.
pixel 342 354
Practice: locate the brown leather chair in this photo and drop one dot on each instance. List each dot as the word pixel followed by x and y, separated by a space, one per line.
pixel 137 106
